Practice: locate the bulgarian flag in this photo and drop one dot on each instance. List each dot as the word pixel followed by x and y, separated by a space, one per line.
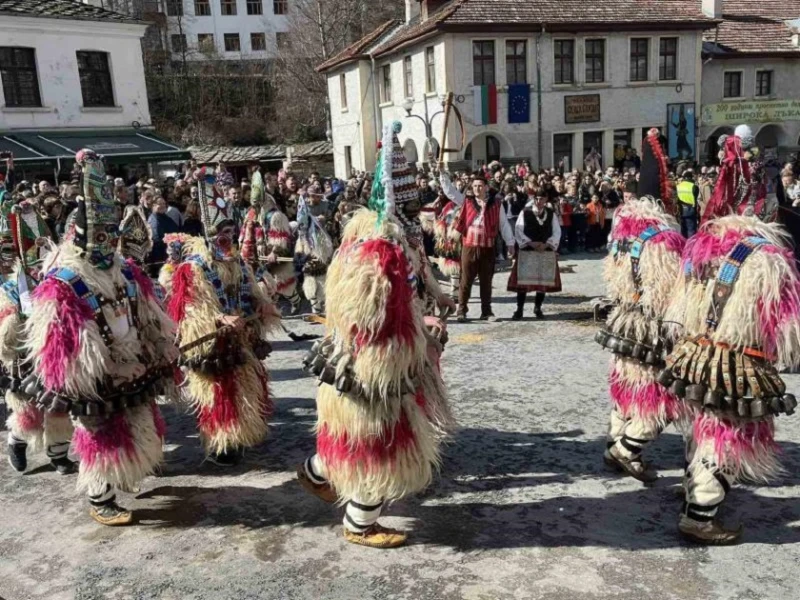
pixel 485 104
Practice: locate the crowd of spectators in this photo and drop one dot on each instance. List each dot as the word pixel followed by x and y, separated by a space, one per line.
pixel 584 201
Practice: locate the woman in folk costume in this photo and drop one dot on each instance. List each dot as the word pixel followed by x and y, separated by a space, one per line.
pixel 640 274
pixel 536 230
pixel 28 424
pixel 382 407
pixel 266 237
pixel 314 250
pixel 222 317
pixel 738 299
pixel 100 345
pixel 447 245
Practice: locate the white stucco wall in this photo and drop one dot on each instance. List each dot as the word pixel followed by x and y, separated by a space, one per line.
pixel 785 83
pixel 635 106
pixel 56 41
pixel 218 24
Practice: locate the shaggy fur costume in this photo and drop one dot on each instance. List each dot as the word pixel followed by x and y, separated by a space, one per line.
pixel 762 312
pixel 70 357
pixel 231 408
pixel 448 241
pixel 27 421
pixel 639 310
pixel 387 447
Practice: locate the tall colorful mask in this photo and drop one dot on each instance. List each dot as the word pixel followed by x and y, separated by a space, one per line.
pixel 96 221
pixel 217 216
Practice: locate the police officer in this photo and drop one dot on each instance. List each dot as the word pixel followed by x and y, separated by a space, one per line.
pixel 688 192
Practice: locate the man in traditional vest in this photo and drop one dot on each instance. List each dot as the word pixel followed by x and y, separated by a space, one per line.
pixel 483 216
pixel 688 193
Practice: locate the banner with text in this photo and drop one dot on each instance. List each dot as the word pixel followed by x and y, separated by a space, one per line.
pixel 750 111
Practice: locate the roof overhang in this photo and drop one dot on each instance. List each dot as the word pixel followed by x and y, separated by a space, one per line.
pixel 117 146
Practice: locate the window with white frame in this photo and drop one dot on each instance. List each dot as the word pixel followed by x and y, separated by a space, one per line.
pixel 564 57
pixel 19 77
pixel 483 63
pixel 640 57
pixel 732 87
pixel 255 7
pixel 386 83
pixel 516 62
pixel 227 8
pixel 232 43
pixel 174 8
pixel 408 77
pixel 430 70
pixel 763 83
pixel 595 61
pixel 668 59
pixel 94 71
pixel 258 42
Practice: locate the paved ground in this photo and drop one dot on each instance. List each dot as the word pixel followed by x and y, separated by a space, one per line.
pixel 523 507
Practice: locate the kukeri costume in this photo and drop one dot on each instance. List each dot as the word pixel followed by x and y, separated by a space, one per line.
pixel 640 274
pixel 447 246
pixel 100 345
pixel 266 236
pixel 382 409
pixel 738 300
pixel 28 425
pixel 222 318
pixel 314 251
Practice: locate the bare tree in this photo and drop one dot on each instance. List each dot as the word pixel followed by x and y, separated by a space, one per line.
pixel 318 30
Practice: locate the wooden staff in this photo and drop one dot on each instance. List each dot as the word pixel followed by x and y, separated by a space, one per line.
pixel 448 107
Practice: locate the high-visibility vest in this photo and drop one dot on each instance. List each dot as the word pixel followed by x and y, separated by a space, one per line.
pixel 686 192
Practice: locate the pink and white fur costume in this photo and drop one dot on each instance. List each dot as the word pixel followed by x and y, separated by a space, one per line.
pixel 642 408
pixel 120 448
pixel 763 312
pixel 28 423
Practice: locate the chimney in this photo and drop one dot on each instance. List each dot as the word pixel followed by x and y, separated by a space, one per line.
pixel 412 10
pixel 429 7
pixel 712 8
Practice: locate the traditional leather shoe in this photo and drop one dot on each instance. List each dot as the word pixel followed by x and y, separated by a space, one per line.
pixel 323 491
pixel 17 457
pixel 637 469
pixel 461 318
pixel 539 314
pixel 377 536
pixel 64 466
pixel 517 316
pixel 612 463
pixel 111 515
pixel 711 533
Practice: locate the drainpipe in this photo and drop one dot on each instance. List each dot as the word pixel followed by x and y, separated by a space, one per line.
pixel 539 97
pixel 375 104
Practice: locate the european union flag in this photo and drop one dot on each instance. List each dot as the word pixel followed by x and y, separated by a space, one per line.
pixel 519 103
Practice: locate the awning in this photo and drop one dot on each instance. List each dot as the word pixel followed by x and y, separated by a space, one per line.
pixel 118 147
pixel 22 152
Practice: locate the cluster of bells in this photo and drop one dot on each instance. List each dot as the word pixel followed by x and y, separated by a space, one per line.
pixel 136 393
pixel 322 362
pixel 218 364
pixel 704 397
pixel 649 354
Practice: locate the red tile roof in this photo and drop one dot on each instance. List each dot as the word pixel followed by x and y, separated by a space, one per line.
pixel 356 50
pixel 754 27
pixel 530 15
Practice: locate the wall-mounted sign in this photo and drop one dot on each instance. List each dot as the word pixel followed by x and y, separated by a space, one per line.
pixel 582 109
pixel 752 111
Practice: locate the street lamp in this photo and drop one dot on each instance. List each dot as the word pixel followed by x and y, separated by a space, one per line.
pixel 427 121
